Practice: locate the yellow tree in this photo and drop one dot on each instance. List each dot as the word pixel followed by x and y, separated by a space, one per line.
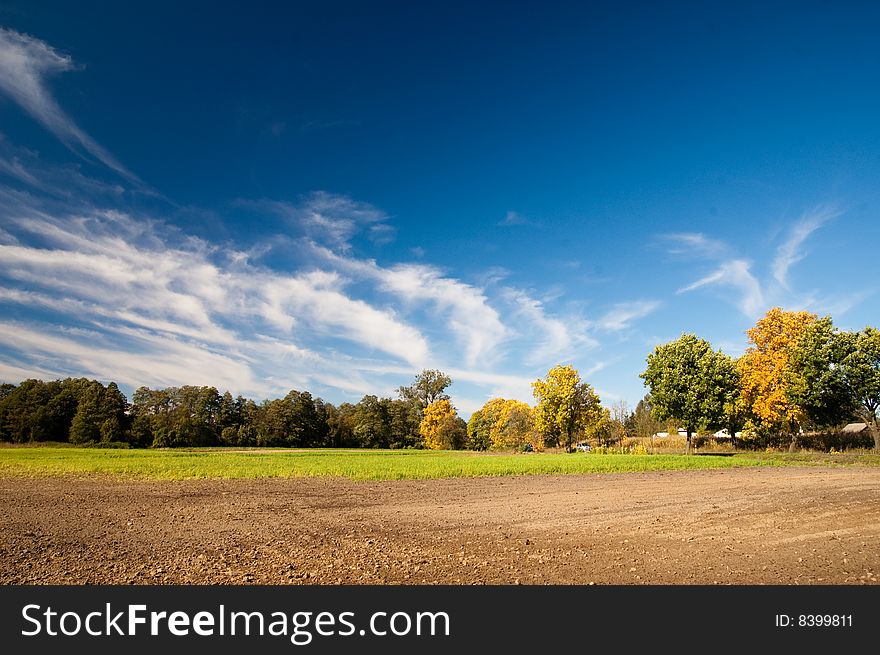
pixel 566 406
pixel 441 427
pixel 763 369
pixel 512 425
pixel 502 424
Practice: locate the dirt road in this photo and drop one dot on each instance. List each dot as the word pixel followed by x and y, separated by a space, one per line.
pixel 789 526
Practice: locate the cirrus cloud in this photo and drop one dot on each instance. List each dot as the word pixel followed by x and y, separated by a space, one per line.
pixel 26 63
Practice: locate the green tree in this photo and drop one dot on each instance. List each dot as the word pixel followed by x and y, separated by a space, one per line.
pixel 690 382
pixel 405 419
pixel 815 378
pixel 566 406
pixel 111 430
pixel 86 424
pixel 479 430
pixel 341 421
pixel 861 370
pixel 228 413
pixel 51 421
pixel 19 410
pixel 644 422
pixel 428 387
pixel 250 418
pixel 372 423
pixel 835 375
pixel 113 414
pixel 734 411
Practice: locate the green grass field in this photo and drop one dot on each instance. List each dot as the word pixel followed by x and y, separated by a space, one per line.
pixel 361 464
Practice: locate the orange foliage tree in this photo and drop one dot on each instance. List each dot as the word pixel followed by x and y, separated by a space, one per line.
pixel 763 370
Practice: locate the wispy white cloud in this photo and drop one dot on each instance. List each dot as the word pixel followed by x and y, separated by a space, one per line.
pixel 329 219
pixel 161 360
pixel 107 284
pixel 113 294
pixel 693 244
pixel 737 275
pixel 837 305
pixel 14 168
pixel 340 217
pixel 791 250
pixel 554 337
pixel 67 182
pixel 595 368
pixel 26 63
pixel 464 308
pixel 621 316
pixel 756 292
pixel 127 280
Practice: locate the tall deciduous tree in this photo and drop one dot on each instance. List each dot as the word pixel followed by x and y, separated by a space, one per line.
pixel 566 406
pixel 861 370
pixel 815 380
pixel 835 375
pixel 428 387
pixel 763 370
pixel 689 382
pixel 501 424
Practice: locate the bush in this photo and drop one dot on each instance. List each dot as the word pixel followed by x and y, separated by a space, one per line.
pixel 106 444
pixel 624 447
pixel 820 441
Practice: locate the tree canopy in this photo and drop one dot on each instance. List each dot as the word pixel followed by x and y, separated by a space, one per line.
pixel 503 424
pixel 690 382
pixel 763 370
pixel 834 375
pixel 566 406
pixel 428 387
pixel 441 427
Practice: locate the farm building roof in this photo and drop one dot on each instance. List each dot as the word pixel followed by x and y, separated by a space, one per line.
pixel 855 428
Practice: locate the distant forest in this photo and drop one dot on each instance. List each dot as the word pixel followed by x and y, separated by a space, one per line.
pixel 83 411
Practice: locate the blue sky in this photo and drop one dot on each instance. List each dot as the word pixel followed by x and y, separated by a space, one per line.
pixel 332 196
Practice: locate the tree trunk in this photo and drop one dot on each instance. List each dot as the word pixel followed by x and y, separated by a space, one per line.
pixel 874 429
pixel 792 447
pixel 688 450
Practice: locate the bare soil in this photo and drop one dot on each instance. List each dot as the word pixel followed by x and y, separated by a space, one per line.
pixel 741 526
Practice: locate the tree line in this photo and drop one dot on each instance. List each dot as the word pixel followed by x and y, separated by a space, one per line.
pixel 83 411
pixel 798 373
